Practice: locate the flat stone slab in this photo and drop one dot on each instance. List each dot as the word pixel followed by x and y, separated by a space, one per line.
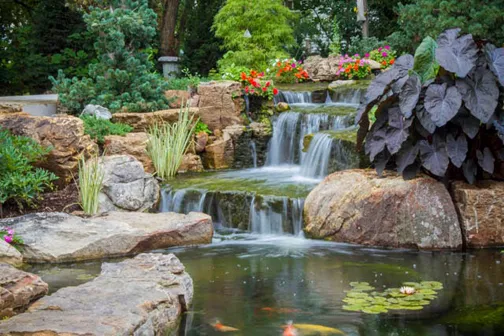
pixel 59 237
pixel 140 296
pixel 9 255
pixel 18 289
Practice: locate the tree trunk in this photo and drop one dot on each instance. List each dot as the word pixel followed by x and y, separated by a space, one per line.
pixel 168 25
pixel 365 24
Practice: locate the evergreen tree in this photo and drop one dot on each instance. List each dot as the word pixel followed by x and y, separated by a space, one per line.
pixel 123 78
pixel 269 25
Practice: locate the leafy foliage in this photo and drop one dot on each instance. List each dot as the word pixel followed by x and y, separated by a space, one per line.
pixel 430 110
pixel 20 181
pixel 99 128
pixel 123 78
pixel 269 24
pixel 90 183
pixel 201 127
pixel 289 71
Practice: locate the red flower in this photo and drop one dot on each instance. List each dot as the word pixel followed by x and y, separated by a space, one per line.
pixel 268 84
pixel 246 89
pixel 253 73
pixel 275 91
pixel 243 76
pixel 265 89
pixel 392 61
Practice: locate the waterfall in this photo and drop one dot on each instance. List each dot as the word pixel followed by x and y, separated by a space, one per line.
pixel 283 143
pixel 341 122
pixel 292 97
pixel 258 214
pixel 347 97
pixel 328 99
pixel 254 152
pixel 316 162
pixel 311 123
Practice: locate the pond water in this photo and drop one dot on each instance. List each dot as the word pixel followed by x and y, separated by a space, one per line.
pixel 257 283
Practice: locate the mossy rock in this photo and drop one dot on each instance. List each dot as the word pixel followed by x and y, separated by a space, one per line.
pixel 345 85
pixel 331 110
pixel 282 107
pixel 302 87
pixel 476 319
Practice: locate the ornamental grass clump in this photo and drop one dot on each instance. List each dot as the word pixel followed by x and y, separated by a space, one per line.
pixel 90 183
pixel 168 143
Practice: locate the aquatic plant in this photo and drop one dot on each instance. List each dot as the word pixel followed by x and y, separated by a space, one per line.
pixel 168 143
pixel 412 296
pixel 439 111
pixel 90 184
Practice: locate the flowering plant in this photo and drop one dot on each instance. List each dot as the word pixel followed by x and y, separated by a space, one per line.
pixel 253 84
pixel 353 67
pixel 383 55
pixel 10 237
pixel 289 71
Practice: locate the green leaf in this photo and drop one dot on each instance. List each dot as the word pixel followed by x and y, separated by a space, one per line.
pixel 425 64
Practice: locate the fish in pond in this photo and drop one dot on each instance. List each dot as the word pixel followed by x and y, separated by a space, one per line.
pixel 280 310
pixel 223 328
pixel 309 329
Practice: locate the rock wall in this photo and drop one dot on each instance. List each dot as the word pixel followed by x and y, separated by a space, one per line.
pixel 481 211
pixel 133 144
pixel 141 122
pixel 141 296
pixel 356 206
pixel 65 134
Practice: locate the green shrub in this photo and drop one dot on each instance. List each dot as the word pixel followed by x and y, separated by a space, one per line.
pixel 90 184
pixel 19 180
pixel 168 143
pixel 361 46
pixel 201 127
pixel 97 128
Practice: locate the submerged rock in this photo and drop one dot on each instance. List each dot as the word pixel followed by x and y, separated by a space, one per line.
pixel 18 289
pixel 481 210
pixel 356 206
pixel 126 186
pixel 59 237
pixel 141 296
pixel 9 255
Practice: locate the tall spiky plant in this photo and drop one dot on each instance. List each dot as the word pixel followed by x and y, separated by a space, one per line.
pixel 168 143
pixel 90 183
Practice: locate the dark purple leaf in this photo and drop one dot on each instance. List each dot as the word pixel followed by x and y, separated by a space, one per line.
pixel 398 131
pixel 486 160
pixel 442 103
pixel 456 54
pixel 470 170
pixel 434 156
pixel 406 156
pixel 469 124
pixel 501 154
pixel 408 97
pixel 375 142
pixel 425 120
pixel 500 129
pixel 480 93
pixel 411 171
pixel 381 162
pixel 457 149
pixel 495 58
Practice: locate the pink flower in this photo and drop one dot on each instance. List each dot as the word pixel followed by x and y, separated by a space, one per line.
pixel 356 55
pixel 293 65
pixel 387 47
pixel 380 49
pixel 10 231
pixel 367 55
pixel 384 54
pixel 8 239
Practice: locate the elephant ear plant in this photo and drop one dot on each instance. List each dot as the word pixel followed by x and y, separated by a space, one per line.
pixel 439 110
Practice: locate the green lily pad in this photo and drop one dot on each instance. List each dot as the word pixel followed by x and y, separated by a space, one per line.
pixel 352 294
pixel 355 308
pixel 432 285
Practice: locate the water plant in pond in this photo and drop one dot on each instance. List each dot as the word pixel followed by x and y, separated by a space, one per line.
pixel 90 183
pixel 168 143
pixel 411 296
pixel 431 109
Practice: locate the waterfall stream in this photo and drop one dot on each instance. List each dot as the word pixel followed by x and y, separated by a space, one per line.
pixel 316 162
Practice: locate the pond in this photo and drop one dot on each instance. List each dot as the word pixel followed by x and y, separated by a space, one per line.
pixel 257 283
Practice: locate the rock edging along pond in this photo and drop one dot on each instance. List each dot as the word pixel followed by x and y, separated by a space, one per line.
pixel 59 237
pixel 357 206
pixel 154 291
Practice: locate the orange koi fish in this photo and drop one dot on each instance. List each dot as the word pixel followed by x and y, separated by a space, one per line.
pixel 289 330
pixel 223 328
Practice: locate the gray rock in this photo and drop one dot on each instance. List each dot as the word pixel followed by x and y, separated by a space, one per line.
pixel 9 255
pixel 142 296
pixel 357 206
pixel 126 186
pixel 97 111
pixel 59 237
pixel 18 289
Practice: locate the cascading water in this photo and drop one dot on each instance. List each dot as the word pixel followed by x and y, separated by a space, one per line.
pixel 292 97
pixel 316 162
pixel 283 144
pixel 347 97
pixel 254 153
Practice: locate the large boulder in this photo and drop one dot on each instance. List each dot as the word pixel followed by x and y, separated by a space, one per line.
pixel 134 144
pixel 141 122
pixel 126 186
pixel 191 163
pixel 481 210
pixel 18 289
pixel 97 111
pixel 322 69
pixel 221 152
pixel 177 98
pixel 220 104
pixel 357 206
pixel 60 237
pixel 64 134
pixel 141 296
pixel 9 255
